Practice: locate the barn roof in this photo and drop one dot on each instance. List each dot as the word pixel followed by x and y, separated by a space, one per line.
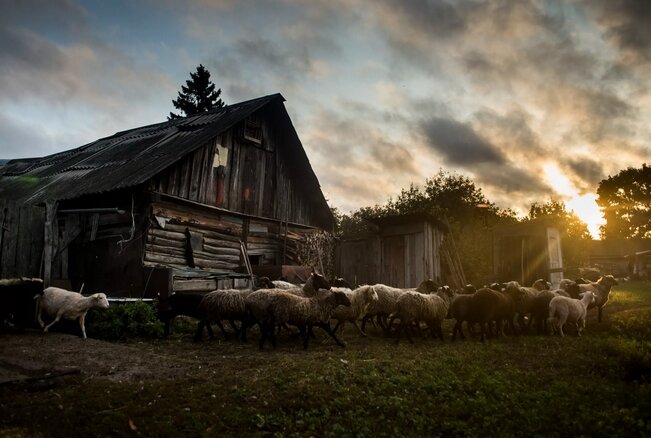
pixel 129 158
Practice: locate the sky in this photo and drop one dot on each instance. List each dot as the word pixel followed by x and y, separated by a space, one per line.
pixel 533 100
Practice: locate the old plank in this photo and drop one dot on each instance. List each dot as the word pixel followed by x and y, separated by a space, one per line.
pixel 194 285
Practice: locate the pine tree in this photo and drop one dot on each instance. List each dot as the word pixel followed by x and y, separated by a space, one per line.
pixel 198 95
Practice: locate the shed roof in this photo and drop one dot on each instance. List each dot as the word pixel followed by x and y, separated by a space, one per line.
pixel 129 158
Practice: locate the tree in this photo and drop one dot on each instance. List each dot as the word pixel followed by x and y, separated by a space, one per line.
pixel 197 95
pixel 626 201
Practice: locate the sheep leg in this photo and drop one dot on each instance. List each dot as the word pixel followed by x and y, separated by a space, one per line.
pixel 328 330
pixel 458 329
pixel 221 327
pixel 166 330
pixel 366 318
pixel 599 314
pixel 56 319
pixel 307 331
pixel 358 328
pixel 39 312
pixel 234 327
pixel 407 328
pixel 199 333
pixel 82 320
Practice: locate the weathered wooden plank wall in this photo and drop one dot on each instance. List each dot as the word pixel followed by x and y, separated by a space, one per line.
pixel 21 239
pixel 257 178
pixel 402 256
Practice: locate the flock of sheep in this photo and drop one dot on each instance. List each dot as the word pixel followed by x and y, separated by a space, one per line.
pixel 317 303
pixel 277 305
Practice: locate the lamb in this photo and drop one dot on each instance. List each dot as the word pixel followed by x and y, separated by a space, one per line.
pixel 601 290
pixel 271 308
pixel 17 301
pixel 62 303
pixel 218 305
pixel 360 299
pixel 180 304
pixel 413 307
pixel 540 307
pixel 563 310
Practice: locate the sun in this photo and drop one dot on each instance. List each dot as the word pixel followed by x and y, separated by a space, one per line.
pixel 583 205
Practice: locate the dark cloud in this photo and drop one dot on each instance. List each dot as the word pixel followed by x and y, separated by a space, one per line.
pixel 511 131
pixel 587 170
pixel 511 182
pixel 627 23
pixel 459 143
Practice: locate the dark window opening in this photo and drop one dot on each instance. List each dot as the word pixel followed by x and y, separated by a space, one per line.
pixel 253 130
pixel 255 260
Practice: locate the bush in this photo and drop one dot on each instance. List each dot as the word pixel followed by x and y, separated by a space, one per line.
pixel 122 321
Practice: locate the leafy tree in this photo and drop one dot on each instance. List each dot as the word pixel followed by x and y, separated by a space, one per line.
pixel 626 201
pixel 574 232
pixel 197 95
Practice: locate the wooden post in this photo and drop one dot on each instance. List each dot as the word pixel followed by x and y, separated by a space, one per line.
pixel 48 241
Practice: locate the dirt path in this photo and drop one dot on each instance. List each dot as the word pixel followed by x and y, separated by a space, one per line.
pixel 33 353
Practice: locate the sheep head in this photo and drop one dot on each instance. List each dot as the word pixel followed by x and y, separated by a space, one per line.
pixel 608 281
pixel 427 286
pixel 100 301
pixel 341 299
pixel 319 281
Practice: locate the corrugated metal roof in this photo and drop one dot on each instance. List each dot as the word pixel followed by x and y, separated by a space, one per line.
pixel 125 159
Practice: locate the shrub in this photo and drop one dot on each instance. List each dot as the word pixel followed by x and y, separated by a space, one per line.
pixel 122 321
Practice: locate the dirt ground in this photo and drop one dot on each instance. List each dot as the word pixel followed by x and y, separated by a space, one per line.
pixel 34 354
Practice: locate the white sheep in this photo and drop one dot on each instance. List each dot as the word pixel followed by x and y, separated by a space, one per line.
pixel 61 303
pixel 360 299
pixel 413 307
pixel 564 310
pixel 384 306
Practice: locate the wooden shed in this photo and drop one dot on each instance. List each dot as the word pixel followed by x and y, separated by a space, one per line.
pixel 403 252
pixel 166 207
pixel 528 251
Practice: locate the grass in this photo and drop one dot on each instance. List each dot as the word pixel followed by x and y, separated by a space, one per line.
pixel 596 385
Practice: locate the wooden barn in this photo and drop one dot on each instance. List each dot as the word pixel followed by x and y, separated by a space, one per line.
pixel 165 207
pixel 528 251
pixel 403 251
